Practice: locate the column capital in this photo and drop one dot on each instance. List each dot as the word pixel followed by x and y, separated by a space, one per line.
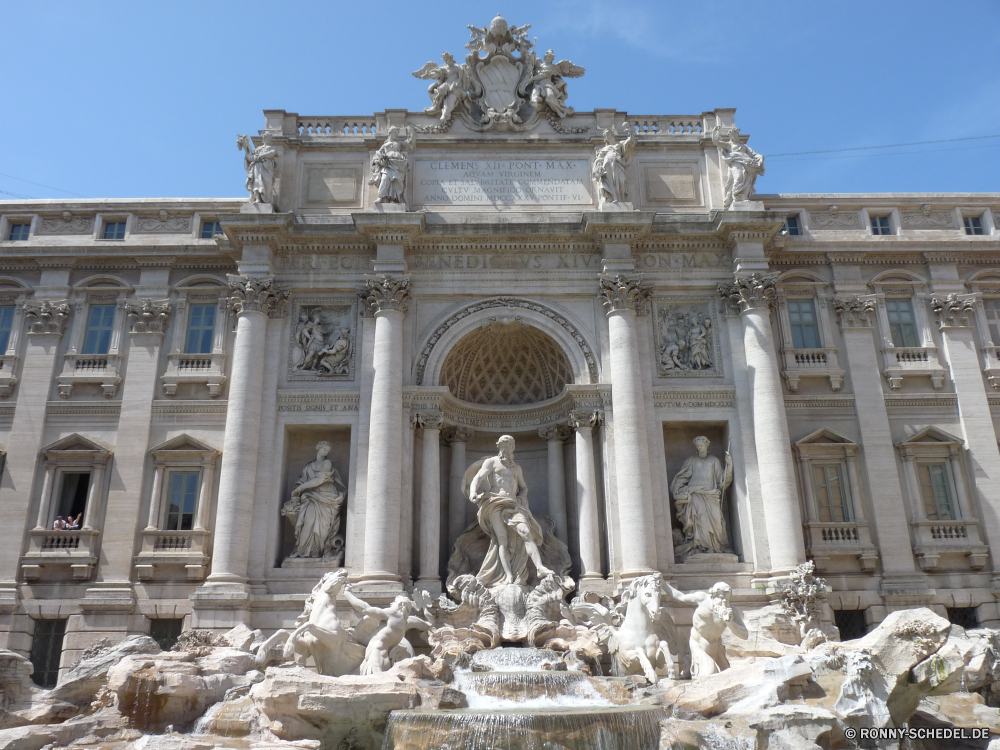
pixel 855 311
pixel 427 420
pixel 554 432
pixel 745 293
pixel 458 434
pixel 147 315
pixel 623 292
pixel 385 292
pixel 256 295
pixel 46 317
pixel 585 419
pixel 954 310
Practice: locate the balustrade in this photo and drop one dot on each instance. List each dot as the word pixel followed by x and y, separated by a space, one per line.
pixel 321 126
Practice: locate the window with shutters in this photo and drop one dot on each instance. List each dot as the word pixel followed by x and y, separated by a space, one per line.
pixel 935 488
pixel 832 498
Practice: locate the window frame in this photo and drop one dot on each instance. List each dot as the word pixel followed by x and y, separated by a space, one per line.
pixel 207 305
pixel 900 362
pixel 8 220
pixel 889 212
pixel 104 219
pixel 12 294
pixel 211 369
pixel 169 474
pixel 37 672
pixel 203 220
pixel 100 369
pixel 913 323
pixel 799 229
pixel 822 361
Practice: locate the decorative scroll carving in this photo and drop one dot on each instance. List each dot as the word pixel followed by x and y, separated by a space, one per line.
pixel 385 293
pixel 505 363
pixel 67 224
pixel 260 165
pixel 608 172
pixel 854 312
pixel 163 222
pixel 925 218
pixel 46 317
pixel 506 302
pixel 954 310
pixel 833 219
pixel 580 419
pixel 624 293
pixel 753 292
pixel 390 165
pixel 685 340
pixel 427 421
pixel 148 316
pixel 322 346
pixel 743 165
pixel 256 295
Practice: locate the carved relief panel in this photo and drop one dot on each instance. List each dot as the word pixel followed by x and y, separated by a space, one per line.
pixel 686 339
pixel 322 339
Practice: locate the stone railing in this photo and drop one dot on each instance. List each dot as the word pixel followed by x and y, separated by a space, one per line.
pixel 991 364
pixel 50 549
pixel 8 364
pixel 958 538
pixel 904 361
pixel 166 551
pixel 324 126
pixel 830 539
pixel 99 369
pixel 198 369
pixel 667 124
pixel 820 362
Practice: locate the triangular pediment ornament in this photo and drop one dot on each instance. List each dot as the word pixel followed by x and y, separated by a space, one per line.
pixel 933 435
pixel 502 84
pixel 75 442
pixel 183 443
pixel 825 435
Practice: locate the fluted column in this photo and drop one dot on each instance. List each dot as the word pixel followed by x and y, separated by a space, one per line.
pixel 753 295
pixel 428 577
pixel 623 296
pixel 554 437
pixel 386 297
pixel 254 300
pixel 584 423
pixel 457 437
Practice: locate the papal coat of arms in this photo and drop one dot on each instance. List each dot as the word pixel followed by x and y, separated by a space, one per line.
pixel 502 83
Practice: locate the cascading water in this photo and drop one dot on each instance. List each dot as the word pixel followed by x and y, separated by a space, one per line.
pixel 526 699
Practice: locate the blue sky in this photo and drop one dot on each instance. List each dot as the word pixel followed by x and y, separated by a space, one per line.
pixel 116 99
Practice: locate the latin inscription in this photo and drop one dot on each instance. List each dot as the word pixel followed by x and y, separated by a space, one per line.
pixel 355 264
pixel 505 182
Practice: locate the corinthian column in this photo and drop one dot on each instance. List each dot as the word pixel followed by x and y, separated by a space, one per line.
pixel 386 297
pixel 584 423
pixel 753 296
pixel 623 296
pixel 430 502
pixel 254 300
pixel 554 437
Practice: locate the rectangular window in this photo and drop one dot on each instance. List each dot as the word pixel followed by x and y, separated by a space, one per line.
pixel 802 316
pixel 964 617
pixel 46 651
pixel 992 307
pixel 19 232
pixel 936 491
pixel 850 623
pixel 974 225
pixel 902 324
pixel 792 226
pixel 201 329
pixel 73 496
pixel 209 229
pixel 881 225
pixel 99 326
pixel 114 230
pixel 182 497
pixel 6 324
pixel 166 630
pixel 831 496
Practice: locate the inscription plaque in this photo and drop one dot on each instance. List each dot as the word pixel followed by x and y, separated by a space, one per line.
pixel 502 182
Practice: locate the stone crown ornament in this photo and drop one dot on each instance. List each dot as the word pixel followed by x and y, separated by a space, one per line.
pixel 385 293
pixel 954 310
pixel 502 84
pixel 754 292
pixel 854 311
pixel 624 293
pixel 46 317
pixel 255 295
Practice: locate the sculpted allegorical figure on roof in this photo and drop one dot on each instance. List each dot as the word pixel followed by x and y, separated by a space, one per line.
pixel 743 165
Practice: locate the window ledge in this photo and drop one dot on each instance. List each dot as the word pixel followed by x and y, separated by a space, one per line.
pixel 821 362
pixel 51 547
pixel 991 365
pixel 841 539
pixel 909 361
pixel 200 369
pixel 102 369
pixel 8 363
pixel 170 548
pixel 934 538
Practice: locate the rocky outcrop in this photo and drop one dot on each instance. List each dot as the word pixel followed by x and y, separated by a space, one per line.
pixel 81 684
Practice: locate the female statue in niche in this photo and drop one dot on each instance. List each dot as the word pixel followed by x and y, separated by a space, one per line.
pixel 314 508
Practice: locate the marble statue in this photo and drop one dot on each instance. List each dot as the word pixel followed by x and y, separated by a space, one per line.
pixel 712 615
pixel 743 165
pixel 501 495
pixel 388 645
pixel 259 163
pixel 698 489
pixel 608 172
pixel 450 86
pixel 319 633
pixel 314 508
pixel 334 357
pixel 548 85
pixel 638 632
pixel 390 165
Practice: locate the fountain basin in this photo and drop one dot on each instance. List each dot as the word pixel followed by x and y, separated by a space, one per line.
pixel 577 728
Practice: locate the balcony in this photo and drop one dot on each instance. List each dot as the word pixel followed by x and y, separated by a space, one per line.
pixel 936 538
pixel 8 362
pixel 812 363
pixel 99 369
pixel 76 550
pixel 164 549
pixel 841 539
pixel 912 361
pixel 199 369
pixel 991 364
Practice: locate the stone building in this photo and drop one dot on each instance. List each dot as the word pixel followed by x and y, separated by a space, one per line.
pixel 407 286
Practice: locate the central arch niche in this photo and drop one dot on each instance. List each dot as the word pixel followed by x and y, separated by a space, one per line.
pixel 506 363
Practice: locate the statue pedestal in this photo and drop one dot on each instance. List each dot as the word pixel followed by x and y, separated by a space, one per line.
pixel 322 564
pixel 390 208
pixel 711 558
pixel 619 206
pixel 747 206
pixel 257 208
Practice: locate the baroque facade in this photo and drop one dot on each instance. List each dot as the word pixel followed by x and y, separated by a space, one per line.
pixel 225 399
